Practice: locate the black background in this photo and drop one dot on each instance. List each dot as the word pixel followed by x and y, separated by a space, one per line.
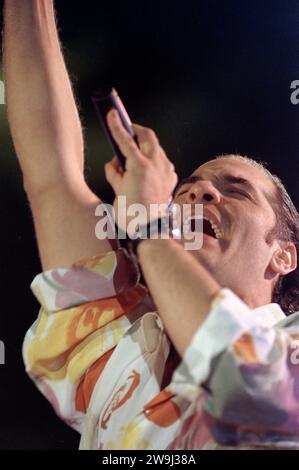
pixel 209 77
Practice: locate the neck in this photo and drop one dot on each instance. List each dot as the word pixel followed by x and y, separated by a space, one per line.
pixel 256 295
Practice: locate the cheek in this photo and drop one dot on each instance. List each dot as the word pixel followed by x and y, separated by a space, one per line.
pixel 249 235
pixel 256 224
pixel 254 247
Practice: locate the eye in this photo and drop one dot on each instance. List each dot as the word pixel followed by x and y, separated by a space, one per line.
pixel 238 192
pixel 182 192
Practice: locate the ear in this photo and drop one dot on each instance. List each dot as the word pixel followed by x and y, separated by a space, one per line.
pixel 284 259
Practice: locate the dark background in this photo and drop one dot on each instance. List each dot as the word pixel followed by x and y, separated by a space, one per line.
pixel 209 77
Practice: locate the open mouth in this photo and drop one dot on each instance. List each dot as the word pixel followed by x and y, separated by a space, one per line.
pixel 208 227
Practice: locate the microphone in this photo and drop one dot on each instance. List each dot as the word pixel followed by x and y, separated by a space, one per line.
pixel 104 100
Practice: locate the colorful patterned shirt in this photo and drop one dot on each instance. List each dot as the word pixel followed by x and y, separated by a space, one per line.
pixel 99 353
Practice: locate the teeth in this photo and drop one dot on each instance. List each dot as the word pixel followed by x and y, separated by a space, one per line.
pixel 218 232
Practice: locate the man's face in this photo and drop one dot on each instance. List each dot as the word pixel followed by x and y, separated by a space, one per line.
pixel 236 198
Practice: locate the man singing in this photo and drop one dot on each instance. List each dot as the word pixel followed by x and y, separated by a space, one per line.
pixel 204 356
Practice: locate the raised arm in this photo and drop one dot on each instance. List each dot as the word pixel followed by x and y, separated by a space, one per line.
pixel 47 135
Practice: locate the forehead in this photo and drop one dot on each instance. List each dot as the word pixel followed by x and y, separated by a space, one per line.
pixel 229 166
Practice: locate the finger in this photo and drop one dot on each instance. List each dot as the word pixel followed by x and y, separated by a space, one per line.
pixel 166 159
pixel 149 144
pixel 126 143
pixel 117 166
pixel 147 141
pixel 113 173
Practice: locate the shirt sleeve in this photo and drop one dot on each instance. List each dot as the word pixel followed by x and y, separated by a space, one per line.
pixel 85 310
pixel 249 373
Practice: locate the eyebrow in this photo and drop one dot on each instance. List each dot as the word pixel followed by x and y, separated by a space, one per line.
pixel 238 180
pixel 227 178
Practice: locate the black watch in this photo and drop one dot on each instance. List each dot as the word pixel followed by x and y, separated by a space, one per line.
pixel 161 226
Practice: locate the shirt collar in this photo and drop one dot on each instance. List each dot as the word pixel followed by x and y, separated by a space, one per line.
pixel 270 314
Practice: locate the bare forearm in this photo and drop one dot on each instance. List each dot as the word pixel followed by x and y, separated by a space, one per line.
pixel 43 117
pixel 181 288
pixel 47 135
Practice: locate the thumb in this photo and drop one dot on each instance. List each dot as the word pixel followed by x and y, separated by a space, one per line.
pixel 113 173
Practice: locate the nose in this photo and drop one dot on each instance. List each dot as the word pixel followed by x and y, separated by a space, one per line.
pixel 203 192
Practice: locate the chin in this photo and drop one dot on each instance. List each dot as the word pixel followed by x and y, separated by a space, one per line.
pixel 205 258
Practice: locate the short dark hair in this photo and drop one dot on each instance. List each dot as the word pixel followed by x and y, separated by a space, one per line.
pixel 286 290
